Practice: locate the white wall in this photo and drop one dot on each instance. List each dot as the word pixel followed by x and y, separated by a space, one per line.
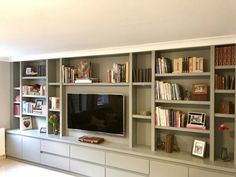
pixel 2 142
pixel 5 94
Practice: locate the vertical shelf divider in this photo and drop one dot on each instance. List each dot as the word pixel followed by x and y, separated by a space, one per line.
pixel 61 101
pixel 131 134
pixel 235 111
pixel 153 137
pixel 212 105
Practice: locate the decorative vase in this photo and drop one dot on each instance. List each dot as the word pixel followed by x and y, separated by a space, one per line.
pixel 55 129
pixel 224 154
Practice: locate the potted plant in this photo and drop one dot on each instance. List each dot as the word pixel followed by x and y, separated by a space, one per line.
pixel 54 121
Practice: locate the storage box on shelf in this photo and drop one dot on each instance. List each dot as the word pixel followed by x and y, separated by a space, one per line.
pixel 177 73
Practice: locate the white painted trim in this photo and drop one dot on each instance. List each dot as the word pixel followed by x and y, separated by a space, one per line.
pixel 197 42
pixel 5 59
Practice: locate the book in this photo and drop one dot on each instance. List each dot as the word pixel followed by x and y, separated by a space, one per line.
pixel 86 80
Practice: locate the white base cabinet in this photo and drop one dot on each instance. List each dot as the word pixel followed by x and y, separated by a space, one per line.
pixel 31 149
pixel 159 169
pixel 119 173
pixel 14 145
pixel 199 172
pixel 95 162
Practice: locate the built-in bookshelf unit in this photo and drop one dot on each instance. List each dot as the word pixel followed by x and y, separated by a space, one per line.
pixel 181 94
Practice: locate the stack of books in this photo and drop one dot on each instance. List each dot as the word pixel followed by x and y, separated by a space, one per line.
pixel 225 55
pixel 168 91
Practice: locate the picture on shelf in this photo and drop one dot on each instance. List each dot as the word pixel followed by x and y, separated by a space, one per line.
pixel 25 123
pixel 196 120
pixel 199 148
pixel 38 104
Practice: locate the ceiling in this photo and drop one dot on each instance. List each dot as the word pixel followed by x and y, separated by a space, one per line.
pixel 30 27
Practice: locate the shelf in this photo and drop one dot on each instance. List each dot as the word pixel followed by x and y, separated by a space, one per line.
pixel 232 116
pixel 54 84
pixel 137 116
pixel 141 83
pixel 54 110
pixel 96 84
pixel 183 74
pixel 17 116
pixel 225 91
pixel 33 77
pixel 33 96
pixel 183 102
pixel 31 114
pixel 185 130
pixel 16 102
pixel 225 67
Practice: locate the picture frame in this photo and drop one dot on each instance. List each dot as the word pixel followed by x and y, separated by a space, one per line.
pixel 38 104
pixel 199 148
pixel 200 88
pixel 197 118
pixel 25 123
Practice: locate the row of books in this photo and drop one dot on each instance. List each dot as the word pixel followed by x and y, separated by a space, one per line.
pixel 142 75
pixel 17 109
pixel 69 74
pixel 226 82
pixel 168 91
pixel 225 55
pixel 188 64
pixel 41 70
pixel 118 73
pixel 31 107
pixel 165 117
pixel 34 90
pixel 179 65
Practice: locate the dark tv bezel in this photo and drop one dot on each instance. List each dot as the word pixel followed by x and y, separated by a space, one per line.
pixel 99 132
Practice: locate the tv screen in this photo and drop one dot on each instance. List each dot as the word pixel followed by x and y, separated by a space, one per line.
pixel 96 112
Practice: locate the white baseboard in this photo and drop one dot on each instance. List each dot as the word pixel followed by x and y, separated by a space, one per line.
pixel 2 157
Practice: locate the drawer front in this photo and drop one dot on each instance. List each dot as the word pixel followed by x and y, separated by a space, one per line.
pixel 87 169
pixel 127 162
pixel 55 161
pixel 87 154
pixel 118 173
pixel 198 172
pixel 55 148
pixel 31 149
pixel 159 169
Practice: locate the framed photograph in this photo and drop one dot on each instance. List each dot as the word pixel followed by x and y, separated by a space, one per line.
pixel 38 104
pixel 197 118
pixel 200 88
pixel 25 123
pixel 199 148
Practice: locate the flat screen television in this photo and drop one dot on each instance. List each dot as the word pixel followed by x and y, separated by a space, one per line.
pixel 96 112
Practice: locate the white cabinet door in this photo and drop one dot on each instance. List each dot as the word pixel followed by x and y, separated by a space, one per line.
pixel 31 149
pixel 199 172
pixel 55 148
pixel 55 161
pixel 119 173
pixel 87 169
pixel 159 169
pixel 14 145
pixel 87 154
pixel 128 162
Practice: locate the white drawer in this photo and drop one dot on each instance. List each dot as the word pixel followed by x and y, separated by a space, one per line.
pixel 55 148
pixel 127 162
pixel 55 161
pixel 118 173
pixel 87 154
pixel 198 172
pixel 87 169
pixel 159 169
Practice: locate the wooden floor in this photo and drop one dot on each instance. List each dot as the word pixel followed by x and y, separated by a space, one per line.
pixel 12 168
